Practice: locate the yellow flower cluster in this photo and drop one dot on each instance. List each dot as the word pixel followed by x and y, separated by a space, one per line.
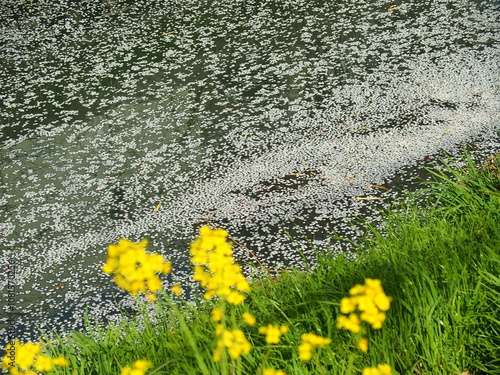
pixel 215 268
pixel 382 369
pixel 134 269
pixel 235 342
pixel 138 368
pixel 217 314
pixel 308 342
pixel 273 333
pixel 176 289
pixel 371 302
pixel 271 371
pixel 249 319
pixel 363 344
pixel 26 358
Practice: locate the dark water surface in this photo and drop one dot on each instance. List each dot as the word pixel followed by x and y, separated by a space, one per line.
pixel 257 116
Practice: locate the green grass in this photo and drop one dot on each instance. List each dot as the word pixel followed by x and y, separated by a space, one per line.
pixel 438 260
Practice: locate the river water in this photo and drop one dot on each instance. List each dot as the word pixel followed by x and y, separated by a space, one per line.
pixel 125 120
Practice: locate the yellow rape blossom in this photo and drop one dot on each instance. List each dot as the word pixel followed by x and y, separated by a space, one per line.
pixel 217 315
pixel 382 369
pixel 315 339
pixel 25 358
pixel 347 305
pixel 351 323
pixel 215 268
pixel 271 371
pixel 308 342
pixel 273 333
pixel 43 363
pixel 134 269
pixel 177 290
pixel 234 341
pixel 382 301
pixel 248 319
pixel 60 361
pixel 374 318
pixel 370 300
pixel 305 351
pixel 217 354
pixel 363 344
pixel 138 368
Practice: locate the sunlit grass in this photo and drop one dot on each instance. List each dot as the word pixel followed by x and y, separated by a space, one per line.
pixel 438 265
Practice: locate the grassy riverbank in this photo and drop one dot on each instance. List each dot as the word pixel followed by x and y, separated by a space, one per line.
pixel 438 261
